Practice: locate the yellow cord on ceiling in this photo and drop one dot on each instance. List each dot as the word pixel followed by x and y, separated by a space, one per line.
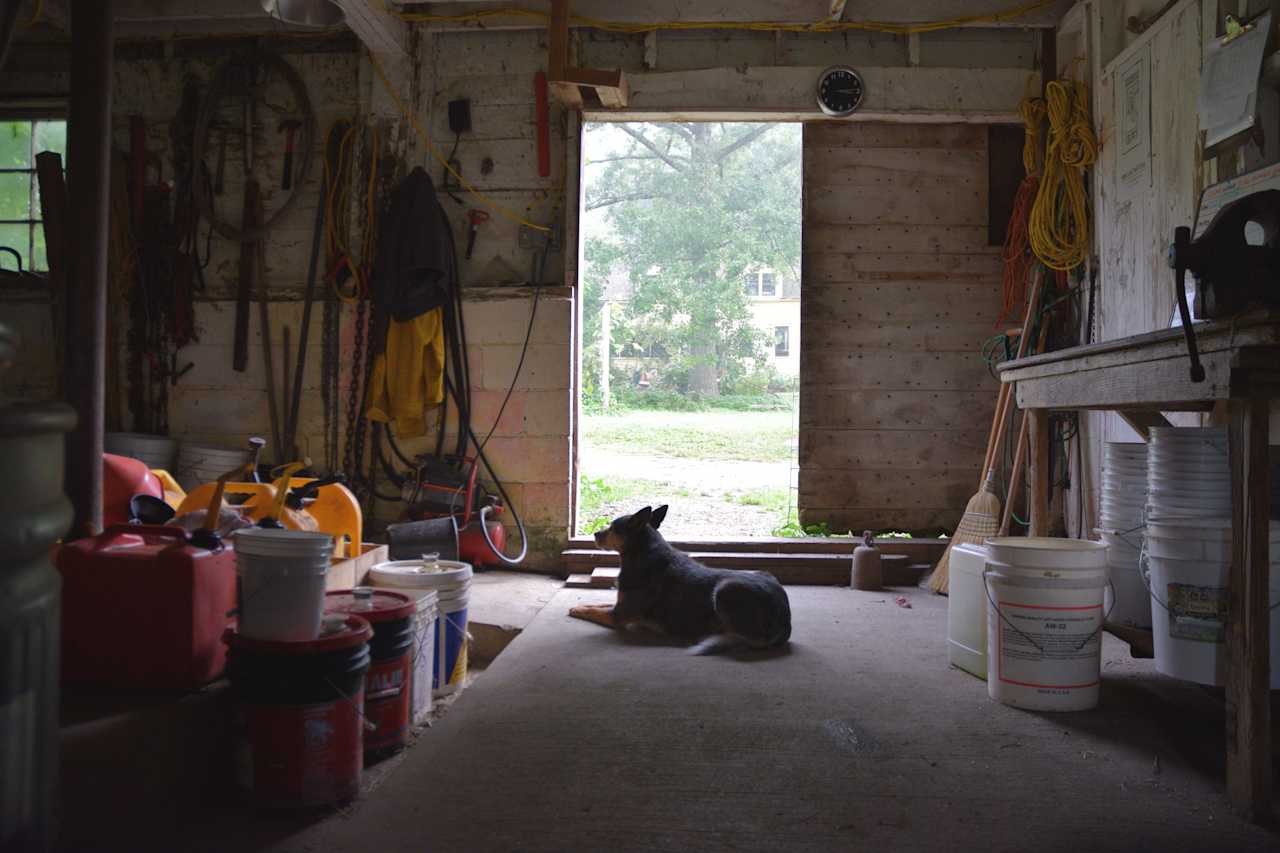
pixel 1059 223
pixel 826 26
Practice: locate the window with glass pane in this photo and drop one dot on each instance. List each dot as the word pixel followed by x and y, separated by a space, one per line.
pixel 767 285
pixel 21 230
pixel 781 340
pixel 749 282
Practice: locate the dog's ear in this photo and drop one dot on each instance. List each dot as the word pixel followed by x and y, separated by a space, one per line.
pixel 658 514
pixel 640 519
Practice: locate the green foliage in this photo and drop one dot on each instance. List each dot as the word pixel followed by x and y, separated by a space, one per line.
pixel 690 207
pixel 597 494
pixel 19 197
pixel 796 530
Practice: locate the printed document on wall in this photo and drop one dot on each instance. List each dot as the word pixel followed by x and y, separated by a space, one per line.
pixel 1133 122
pixel 1228 99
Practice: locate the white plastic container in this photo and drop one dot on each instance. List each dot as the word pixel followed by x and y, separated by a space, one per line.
pixel 282 580
pixel 203 463
pixel 157 451
pixel 967 610
pixel 1044 622
pixel 424 649
pixel 452 582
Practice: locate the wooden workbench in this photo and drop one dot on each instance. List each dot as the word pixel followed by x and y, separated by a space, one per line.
pixel 1139 378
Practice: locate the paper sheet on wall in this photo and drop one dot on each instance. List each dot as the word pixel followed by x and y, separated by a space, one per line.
pixel 1228 98
pixel 1133 121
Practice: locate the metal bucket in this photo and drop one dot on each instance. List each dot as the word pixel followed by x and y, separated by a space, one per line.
pixel 412 539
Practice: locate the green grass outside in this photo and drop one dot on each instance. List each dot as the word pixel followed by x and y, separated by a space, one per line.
pixel 740 436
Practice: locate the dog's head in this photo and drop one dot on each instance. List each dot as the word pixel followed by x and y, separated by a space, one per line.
pixel 626 528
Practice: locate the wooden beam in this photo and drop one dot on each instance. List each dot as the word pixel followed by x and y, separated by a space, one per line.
pixel 748 11
pixel 1143 421
pixel 1248 623
pixel 386 36
pixel 927 94
pixel 1038 481
pixel 558 41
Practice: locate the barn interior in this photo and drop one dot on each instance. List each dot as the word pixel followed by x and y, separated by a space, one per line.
pixel 335 334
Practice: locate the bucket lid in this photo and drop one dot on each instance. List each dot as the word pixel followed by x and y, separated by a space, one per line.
pixel 375 605
pixel 271 542
pixel 430 573
pixel 1047 552
pixel 335 634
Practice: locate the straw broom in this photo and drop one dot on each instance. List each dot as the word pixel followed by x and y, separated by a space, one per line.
pixel 981 518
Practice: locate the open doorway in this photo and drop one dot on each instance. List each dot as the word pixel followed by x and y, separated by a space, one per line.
pixel 690 361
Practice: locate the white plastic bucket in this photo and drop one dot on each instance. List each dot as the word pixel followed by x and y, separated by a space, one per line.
pixel 1044 621
pixel 1126 601
pixel 282 579
pixel 424 649
pixel 967 610
pixel 203 463
pixel 452 582
pixel 1190 604
pixel 155 450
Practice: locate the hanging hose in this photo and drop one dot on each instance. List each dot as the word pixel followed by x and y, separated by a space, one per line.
pixel 1016 254
pixel 1059 223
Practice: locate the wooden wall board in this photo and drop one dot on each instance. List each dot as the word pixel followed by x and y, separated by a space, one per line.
pixel 902 410
pixel 900 290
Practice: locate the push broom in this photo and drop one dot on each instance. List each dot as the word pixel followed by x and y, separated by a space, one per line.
pixel 981 518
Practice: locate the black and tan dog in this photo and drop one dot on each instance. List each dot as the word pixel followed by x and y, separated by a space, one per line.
pixel 667 590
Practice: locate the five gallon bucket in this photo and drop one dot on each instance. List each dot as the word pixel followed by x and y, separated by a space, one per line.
pixel 155 450
pixel 1121 514
pixel 1044 621
pixel 282 578
pixel 1188 561
pixel 451 581
pixel 299 729
pixel 388 687
pixel 203 463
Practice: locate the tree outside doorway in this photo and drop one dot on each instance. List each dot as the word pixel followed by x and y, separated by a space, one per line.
pixel 691 289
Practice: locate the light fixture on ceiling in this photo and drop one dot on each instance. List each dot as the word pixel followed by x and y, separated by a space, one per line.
pixel 305 13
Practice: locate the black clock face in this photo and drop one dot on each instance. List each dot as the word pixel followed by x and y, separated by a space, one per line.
pixel 840 91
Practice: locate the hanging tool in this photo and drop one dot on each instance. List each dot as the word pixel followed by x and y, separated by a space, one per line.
pixel 295 399
pixel 244 290
pixel 221 171
pixel 257 249
pixel 1236 262
pixel 289 126
pixel 475 218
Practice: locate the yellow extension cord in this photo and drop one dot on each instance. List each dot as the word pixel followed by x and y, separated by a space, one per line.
pixel 1059 224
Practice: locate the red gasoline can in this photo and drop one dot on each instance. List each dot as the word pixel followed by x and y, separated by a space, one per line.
pixel 299 728
pixel 388 688
pixel 144 608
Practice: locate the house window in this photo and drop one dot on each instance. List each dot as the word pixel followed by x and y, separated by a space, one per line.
pixel 760 284
pixel 20 227
pixel 781 341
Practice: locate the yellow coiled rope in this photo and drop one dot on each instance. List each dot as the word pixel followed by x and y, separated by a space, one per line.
pixel 1060 216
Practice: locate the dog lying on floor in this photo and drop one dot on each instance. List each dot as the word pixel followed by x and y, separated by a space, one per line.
pixel 667 590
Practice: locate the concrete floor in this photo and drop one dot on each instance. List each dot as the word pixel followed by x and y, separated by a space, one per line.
pixel 859 737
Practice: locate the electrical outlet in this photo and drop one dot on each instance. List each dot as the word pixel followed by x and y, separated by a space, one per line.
pixel 532 238
pixel 460 115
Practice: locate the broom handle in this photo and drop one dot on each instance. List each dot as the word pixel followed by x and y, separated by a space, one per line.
pixel 1004 401
pixel 1020 453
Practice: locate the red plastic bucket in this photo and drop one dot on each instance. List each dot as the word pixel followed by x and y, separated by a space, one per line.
pixel 388 690
pixel 298 715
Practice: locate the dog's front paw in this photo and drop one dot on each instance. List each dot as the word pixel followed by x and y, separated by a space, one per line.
pixel 601 614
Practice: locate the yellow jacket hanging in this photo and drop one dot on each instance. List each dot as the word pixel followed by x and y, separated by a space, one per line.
pixel 409 375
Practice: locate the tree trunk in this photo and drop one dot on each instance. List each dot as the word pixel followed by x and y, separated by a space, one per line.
pixel 702 379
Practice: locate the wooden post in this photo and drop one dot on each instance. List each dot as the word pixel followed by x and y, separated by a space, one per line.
pixel 1248 614
pixel 1038 471
pixel 89 164
pixel 605 347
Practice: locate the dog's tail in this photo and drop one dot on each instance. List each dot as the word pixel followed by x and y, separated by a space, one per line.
pixel 717 644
